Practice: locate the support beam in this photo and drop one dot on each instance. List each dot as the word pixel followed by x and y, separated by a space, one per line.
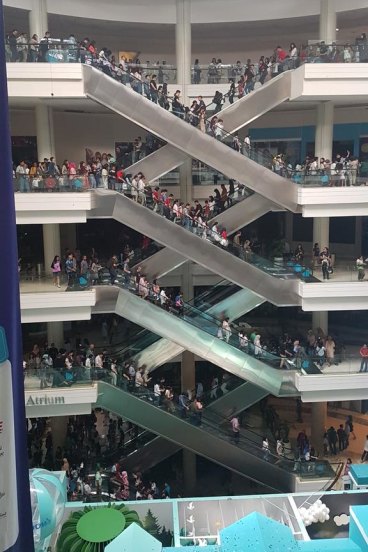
pixel 320 320
pixel 55 333
pixel 324 130
pixel 327 21
pixel 318 425
pixel 45 132
pixel 68 237
pixel 186 181
pixel 321 231
pixel 59 425
pixel 183 41
pixel 323 148
pixel 38 23
pixel 51 245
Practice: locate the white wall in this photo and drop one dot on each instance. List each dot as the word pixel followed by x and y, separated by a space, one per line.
pixel 203 11
pixel 76 131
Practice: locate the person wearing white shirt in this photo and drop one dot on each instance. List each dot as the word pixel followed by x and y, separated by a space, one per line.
pixel 235 425
pixel 219 130
pixel 246 149
pixel 265 448
pixel 88 366
pixel 105 177
pixel 21 175
pixel 141 189
pixel 99 361
pixel 227 329
pixel 163 298
pixel 131 371
pixel 157 393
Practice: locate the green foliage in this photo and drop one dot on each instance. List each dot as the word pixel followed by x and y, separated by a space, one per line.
pixel 151 525
pixel 70 541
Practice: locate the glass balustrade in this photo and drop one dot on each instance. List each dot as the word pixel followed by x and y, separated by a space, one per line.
pixel 249 440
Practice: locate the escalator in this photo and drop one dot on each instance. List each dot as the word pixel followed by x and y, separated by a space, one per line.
pixel 246 207
pixel 244 111
pixel 210 438
pixel 146 449
pixel 158 163
pixel 243 212
pixel 279 285
pixel 220 301
pixel 255 174
pixel 196 331
pixel 235 116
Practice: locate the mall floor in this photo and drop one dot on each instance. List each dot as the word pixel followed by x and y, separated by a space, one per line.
pixel 286 409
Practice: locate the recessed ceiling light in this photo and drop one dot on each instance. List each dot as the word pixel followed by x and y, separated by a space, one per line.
pixel 337 29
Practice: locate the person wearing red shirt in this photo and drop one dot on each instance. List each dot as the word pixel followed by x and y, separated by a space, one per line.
pixel 119 179
pixel 167 206
pixel 364 355
pixel 280 54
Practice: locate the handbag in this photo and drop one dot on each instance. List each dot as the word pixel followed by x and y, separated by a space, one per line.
pixel 330 270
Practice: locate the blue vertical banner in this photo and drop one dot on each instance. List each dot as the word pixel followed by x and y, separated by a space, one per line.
pixel 16 534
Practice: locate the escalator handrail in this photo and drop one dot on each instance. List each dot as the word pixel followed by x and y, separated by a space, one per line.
pixel 268 158
pixel 296 464
pixel 217 239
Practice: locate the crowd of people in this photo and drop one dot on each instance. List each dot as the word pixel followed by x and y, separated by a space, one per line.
pixel 85 455
pixel 343 170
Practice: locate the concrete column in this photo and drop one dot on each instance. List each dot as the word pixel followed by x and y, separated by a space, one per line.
pixel 51 245
pixel 186 181
pixel 187 371
pixel 68 237
pixel 45 132
pixel 189 473
pixel 323 148
pixel 321 231
pixel 58 426
pixel 327 21
pixel 187 286
pixel 183 41
pixel 318 425
pixel 55 333
pixel 324 130
pixel 320 320
pixel 38 18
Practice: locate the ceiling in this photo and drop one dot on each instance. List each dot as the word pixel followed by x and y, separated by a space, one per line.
pixel 225 40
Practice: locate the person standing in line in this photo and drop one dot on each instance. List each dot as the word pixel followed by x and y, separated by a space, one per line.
pixel 325 265
pixel 226 329
pixel 330 350
pixel 341 435
pixel 365 450
pixel 56 269
pixel 279 448
pixel 349 427
pixel 360 264
pixel 265 448
pixel 332 440
pixel 364 356
pixel 235 425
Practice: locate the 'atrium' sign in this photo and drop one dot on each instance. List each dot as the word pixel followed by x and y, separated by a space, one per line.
pixel 46 399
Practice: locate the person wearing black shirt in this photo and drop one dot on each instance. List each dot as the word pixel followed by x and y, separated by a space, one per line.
pixel 177 106
pixel 12 41
pixel 44 46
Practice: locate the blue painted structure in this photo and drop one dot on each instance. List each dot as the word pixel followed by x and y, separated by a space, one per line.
pixel 257 533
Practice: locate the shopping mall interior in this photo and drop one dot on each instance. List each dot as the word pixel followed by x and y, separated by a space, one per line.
pixel 190 183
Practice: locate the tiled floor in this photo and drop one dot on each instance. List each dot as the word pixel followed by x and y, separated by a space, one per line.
pixel 40 286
